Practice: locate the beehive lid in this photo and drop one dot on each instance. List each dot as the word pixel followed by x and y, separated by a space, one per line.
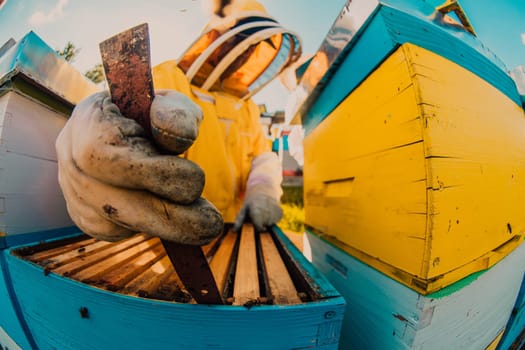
pixel 366 32
pixel 33 67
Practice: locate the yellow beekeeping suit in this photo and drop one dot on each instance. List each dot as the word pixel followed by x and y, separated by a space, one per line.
pixel 230 137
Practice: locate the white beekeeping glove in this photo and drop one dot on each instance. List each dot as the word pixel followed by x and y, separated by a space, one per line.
pixel 263 193
pixel 115 181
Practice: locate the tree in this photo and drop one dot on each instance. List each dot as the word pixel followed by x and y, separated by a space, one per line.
pixel 96 74
pixel 70 51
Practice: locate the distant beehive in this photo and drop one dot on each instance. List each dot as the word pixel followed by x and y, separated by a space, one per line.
pixel 419 171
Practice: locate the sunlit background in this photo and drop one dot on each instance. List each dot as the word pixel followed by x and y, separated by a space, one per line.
pixel 175 24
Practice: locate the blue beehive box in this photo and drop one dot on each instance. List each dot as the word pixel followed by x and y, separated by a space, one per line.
pixel 61 289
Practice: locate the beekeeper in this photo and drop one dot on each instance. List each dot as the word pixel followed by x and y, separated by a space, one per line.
pixel 116 182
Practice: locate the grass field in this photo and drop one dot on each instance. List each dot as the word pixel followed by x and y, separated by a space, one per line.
pixel 293 209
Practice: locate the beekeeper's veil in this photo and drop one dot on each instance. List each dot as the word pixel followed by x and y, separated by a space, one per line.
pixel 240 50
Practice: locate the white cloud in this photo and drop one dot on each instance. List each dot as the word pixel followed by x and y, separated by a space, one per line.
pixel 523 38
pixel 40 17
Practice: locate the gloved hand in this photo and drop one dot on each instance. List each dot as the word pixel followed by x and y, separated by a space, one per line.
pixel 115 181
pixel 263 193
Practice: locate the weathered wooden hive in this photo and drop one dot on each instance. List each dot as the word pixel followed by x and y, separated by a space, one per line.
pixel 62 289
pixel 251 269
pixel 413 177
pixel 130 294
pixel 413 156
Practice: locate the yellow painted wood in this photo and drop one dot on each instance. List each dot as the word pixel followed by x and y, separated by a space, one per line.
pixel 474 137
pixel 420 169
pixel 495 342
pixel 355 188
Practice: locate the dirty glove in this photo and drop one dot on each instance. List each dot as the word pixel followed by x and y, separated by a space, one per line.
pixel 263 193
pixel 116 183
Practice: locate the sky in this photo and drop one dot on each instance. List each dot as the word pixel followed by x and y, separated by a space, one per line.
pixel 174 24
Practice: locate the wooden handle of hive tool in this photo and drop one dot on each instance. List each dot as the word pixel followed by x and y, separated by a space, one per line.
pixel 127 64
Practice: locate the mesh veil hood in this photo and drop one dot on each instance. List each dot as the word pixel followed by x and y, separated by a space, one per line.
pixel 240 53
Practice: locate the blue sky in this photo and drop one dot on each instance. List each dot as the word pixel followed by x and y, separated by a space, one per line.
pixel 500 24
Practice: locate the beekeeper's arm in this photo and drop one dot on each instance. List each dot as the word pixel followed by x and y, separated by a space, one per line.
pixel 115 181
pixel 263 193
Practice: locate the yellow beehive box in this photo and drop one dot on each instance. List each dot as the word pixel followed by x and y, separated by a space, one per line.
pixel 419 172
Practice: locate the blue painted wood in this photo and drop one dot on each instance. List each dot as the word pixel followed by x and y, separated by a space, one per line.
pixel 384 314
pixel 518 75
pixel 396 22
pixel 51 306
pixel 10 322
pixel 366 54
pixel 38 236
pixel 38 62
pixel 47 311
pixel 516 324
pixel 318 281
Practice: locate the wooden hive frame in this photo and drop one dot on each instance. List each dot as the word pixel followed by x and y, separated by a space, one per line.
pixel 249 268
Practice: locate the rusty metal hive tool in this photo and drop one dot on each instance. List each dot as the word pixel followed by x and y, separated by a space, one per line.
pixel 127 65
